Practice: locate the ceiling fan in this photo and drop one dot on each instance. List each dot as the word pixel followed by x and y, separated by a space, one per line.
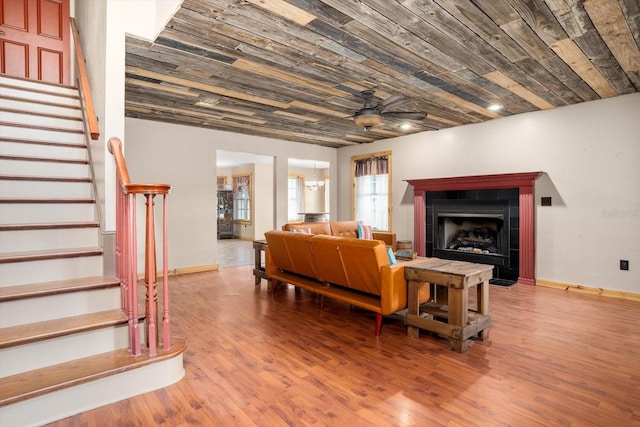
pixel 371 114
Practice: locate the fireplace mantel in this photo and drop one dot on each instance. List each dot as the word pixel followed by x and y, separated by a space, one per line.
pixel 524 182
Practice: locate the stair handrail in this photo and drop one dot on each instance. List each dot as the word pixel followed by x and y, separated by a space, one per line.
pixel 86 99
pixel 126 255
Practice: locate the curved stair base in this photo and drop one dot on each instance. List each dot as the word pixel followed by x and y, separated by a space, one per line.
pixel 91 383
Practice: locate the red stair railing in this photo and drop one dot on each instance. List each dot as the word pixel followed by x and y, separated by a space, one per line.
pixel 126 255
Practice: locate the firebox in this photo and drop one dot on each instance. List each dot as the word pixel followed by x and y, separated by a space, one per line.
pixel 472 230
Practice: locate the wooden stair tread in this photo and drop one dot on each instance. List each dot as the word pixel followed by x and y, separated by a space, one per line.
pixel 47 128
pixel 81 145
pixel 43 159
pixel 32 290
pixel 49 254
pixel 51 104
pixel 9 78
pixel 43 200
pixel 48 226
pixel 42 91
pixel 44 178
pixel 40 114
pixel 39 331
pixel 31 384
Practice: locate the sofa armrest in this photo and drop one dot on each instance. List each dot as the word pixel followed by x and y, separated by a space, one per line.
pixel 393 290
pixel 387 237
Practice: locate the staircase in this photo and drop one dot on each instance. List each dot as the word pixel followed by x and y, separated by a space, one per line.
pixel 63 335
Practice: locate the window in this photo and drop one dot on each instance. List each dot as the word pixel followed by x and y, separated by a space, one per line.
pixel 371 183
pixel 295 197
pixel 242 198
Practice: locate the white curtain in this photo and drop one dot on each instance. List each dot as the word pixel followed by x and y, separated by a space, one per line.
pixel 372 200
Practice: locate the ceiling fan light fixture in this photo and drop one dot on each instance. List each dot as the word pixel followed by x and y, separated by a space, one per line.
pixel 406 126
pixel 367 118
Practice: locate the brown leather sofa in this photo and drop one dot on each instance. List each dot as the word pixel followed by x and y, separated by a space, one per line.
pixel 352 270
pixel 341 229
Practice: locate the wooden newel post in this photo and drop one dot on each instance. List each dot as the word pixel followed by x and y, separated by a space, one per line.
pixel 150 278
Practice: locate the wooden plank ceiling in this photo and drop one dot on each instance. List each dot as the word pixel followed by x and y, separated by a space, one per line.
pixel 294 69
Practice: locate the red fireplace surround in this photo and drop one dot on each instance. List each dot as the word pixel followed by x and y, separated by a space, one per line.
pixel 522 181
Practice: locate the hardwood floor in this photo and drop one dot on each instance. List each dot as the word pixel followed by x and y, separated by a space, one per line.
pixel 553 359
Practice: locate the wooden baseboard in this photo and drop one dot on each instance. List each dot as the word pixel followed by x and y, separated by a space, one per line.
pixel 589 290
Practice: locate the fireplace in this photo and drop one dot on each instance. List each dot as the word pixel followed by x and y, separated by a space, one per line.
pixel 476 208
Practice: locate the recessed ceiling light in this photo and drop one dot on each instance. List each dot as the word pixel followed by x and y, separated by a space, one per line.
pixel 211 100
pixel 405 126
pixel 494 107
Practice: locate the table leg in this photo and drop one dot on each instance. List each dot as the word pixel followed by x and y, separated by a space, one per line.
pixel 458 316
pixel 483 305
pixel 413 306
pixel 258 263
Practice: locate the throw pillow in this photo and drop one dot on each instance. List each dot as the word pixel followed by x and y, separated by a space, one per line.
pixel 367 232
pixel 392 257
pixel 304 230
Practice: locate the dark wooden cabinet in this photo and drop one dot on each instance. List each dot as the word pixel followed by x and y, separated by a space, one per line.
pixel 225 214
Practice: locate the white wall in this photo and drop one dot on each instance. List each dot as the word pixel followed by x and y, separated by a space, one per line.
pixel 262 199
pixel 590 153
pixel 149 16
pixel 185 157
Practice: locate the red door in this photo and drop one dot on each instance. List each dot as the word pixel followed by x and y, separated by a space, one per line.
pixel 34 39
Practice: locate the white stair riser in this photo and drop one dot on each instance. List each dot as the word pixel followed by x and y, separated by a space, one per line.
pixel 41 135
pixel 19 213
pixel 14 360
pixel 20 312
pixel 70 401
pixel 42 150
pixel 38 108
pixel 36 85
pixel 59 238
pixel 45 189
pixel 35 120
pixel 18 93
pixel 20 273
pixel 35 168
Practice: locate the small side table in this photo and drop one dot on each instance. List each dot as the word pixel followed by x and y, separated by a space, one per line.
pixel 259 246
pixel 461 322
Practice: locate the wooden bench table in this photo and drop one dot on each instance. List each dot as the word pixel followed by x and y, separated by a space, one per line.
pixel 454 320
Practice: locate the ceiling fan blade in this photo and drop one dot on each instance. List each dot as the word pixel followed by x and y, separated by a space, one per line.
pixel 405 115
pixel 391 101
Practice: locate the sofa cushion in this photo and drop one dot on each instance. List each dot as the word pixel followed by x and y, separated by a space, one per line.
pixel 344 229
pixel 291 252
pixel 316 227
pixel 352 263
